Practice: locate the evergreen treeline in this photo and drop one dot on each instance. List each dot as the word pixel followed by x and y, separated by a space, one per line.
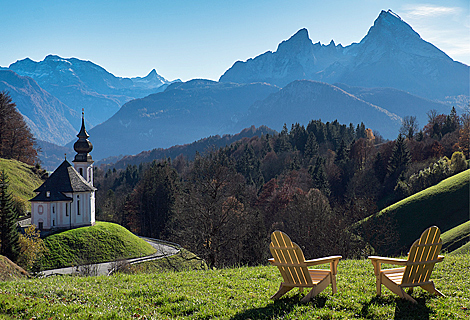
pixel 312 182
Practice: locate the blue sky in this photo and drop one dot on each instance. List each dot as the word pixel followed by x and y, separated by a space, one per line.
pixel 202 39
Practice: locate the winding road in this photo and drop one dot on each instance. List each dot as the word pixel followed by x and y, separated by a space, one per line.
pixel 105 268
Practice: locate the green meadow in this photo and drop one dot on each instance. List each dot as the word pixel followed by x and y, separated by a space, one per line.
pixel 233 293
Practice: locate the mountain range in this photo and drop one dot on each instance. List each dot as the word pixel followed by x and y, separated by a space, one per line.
pixel 183 113
pixel 391 55
pixel 47 117
pixel 391 73
pixel 83 84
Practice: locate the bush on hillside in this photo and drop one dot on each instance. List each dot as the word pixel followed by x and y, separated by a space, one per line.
pixel 432 175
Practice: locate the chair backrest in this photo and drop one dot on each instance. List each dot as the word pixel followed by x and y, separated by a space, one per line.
pixel 422 256
pixel 290 260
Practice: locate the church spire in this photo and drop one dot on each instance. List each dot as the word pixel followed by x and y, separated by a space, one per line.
pixel 82 146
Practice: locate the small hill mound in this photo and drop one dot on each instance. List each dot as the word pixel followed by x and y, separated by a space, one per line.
pixel 102 242
pixel 10 271
pixel 465 249
pixel 23 179
pixel 457 237
pixel 445 205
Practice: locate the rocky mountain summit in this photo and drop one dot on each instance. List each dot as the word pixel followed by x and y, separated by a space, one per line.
pixel 391 55
pixel 84 84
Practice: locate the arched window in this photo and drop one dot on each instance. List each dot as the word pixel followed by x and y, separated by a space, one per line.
pixel 78 205
pixel 40 209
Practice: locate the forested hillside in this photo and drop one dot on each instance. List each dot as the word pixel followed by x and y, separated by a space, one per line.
pixel 311 182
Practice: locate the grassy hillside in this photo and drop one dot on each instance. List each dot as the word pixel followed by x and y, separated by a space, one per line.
pixel 10 271
pixel 100 243
pixel 456 237
pixel 23 179
pixel 238 293
pixel 465 249
pixel 445 205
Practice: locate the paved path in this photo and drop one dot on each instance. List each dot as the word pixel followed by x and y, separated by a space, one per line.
pixel 163 250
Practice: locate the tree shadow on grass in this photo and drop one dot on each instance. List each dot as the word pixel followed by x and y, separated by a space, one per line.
pixel 404 309
pixel 278 308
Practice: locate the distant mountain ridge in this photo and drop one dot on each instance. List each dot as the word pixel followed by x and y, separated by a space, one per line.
pixel 183 113
pixel 304 100
pixel 84 84
pixel 397 101
pixel 47 117
pixel 188 150
pixel 391 55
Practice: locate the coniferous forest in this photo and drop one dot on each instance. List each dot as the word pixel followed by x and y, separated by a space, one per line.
pixel 312 182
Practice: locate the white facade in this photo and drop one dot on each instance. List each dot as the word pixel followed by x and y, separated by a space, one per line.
pixel 85 169
pixel 65 214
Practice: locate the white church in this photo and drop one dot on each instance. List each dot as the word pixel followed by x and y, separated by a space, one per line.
pixel 67 198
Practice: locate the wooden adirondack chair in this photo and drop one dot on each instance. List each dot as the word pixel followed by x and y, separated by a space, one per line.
pixel 424 253
pixel 290 260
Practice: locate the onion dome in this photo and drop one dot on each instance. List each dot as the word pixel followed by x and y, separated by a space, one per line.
pixel 82 146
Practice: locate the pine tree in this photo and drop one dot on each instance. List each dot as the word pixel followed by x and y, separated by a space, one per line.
pixel 399 160
pixel 155 197
pixel 319 176
pixel 9 238
pixel 311 147
pixel 282 143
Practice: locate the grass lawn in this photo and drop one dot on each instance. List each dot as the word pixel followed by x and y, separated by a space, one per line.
pixel 235 293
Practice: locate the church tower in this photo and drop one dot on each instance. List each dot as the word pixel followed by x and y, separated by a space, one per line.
pixel 82 161
pixel 67 198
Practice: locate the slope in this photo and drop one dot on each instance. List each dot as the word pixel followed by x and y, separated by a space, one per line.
pixel 48 118
pixel 187 150
pixel 23 179
pixel 10 270
pixel 397 101
pixel 457 237
pixel 183 113
pixel 445 205
pixel 304 100
pixel 99 243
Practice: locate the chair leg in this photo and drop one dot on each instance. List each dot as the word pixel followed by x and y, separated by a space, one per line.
pixel 334 289
pixel 378 285
pixel 282 291
pixel 432 289
pixel 408 297
pixel 319 287
pixel 397 289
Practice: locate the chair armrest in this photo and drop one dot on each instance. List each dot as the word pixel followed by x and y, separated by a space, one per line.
pixel 324 260
pixel 377 263
pixel 395 261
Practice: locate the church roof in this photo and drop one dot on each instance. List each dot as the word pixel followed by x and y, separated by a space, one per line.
pixel 65 179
